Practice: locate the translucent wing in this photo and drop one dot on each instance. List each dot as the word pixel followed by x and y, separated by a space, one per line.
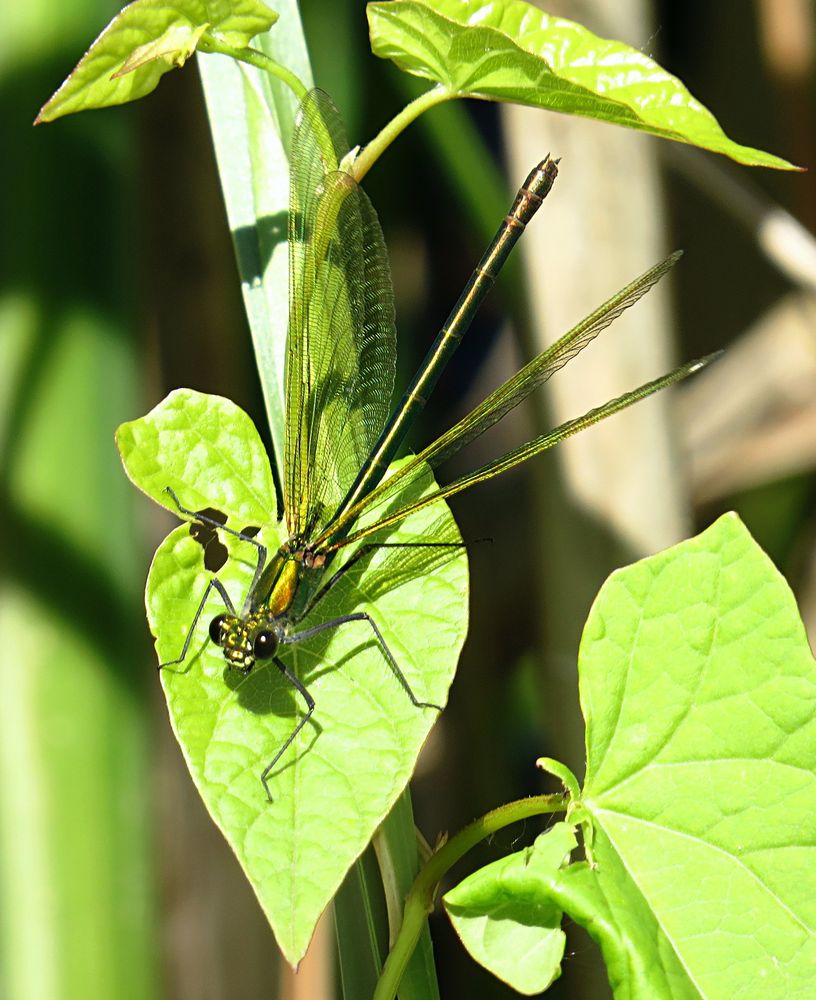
pixel 530 449
pixel 518 388
pixel 341 346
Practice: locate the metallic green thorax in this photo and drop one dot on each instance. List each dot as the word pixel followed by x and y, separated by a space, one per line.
pixel 287 584
pixel 277 584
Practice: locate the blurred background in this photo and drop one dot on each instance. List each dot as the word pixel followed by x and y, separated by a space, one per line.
pixel 118 283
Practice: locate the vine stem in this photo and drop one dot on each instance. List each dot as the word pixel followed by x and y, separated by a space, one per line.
pixel 254 57
pixel 378 145
pixel 420 900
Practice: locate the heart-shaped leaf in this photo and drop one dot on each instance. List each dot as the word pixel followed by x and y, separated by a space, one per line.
pixel 337 782
pixel 508 50
pixel 145 40
pixel 699 692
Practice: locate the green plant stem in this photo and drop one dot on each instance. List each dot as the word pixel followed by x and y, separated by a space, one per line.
pixel 254 57
pixel 561 771
pixel 420 900
pixel 378 145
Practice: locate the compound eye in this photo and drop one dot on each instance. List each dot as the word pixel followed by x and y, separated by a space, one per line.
pixel 215 628
pixel 265 645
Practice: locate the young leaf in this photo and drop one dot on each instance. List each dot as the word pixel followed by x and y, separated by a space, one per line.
pixel 343 774
pixel 699 692
pixel 640 958
pixel 508 50
pixel 506 921
pixel 145 40
pixel 174 46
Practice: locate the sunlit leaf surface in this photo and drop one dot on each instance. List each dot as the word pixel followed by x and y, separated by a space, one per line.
pixel 505 920
pixel 344 772
pixel 145 40
pixel 508 50
pixel 699 691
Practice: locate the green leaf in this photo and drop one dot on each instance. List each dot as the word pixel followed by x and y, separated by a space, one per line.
pixel 508 50
pixel 145 40
pixel 338 781
pixel 252 117
pixel 505 920
pixel 76 731
pixel 699 692
pixel 207 450
pixel 640 959
pixel 174 46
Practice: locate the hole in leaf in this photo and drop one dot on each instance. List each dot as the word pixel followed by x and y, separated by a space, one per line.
pixel 215 553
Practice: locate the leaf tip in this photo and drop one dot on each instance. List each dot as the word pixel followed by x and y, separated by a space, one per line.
pixel 43 114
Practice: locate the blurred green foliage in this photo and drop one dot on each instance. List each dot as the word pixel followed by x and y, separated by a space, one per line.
pixel 78 893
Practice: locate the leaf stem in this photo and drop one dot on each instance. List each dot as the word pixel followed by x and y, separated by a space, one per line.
pixel 378 145
pixel 420 900
pixel 256 58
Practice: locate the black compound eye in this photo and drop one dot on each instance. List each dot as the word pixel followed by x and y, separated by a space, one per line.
pixel 215 628
pixel 265 645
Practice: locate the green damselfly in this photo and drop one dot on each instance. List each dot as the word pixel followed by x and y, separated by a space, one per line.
pixel 339 438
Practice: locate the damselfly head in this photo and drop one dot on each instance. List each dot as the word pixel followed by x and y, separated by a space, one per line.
pixel 244 640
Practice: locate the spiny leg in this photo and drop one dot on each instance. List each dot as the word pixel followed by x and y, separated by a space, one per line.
pixel 361 553
pixel 210 520
pixel 334 623
pixel 214 584
pixel 361 616
pixel 310 706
